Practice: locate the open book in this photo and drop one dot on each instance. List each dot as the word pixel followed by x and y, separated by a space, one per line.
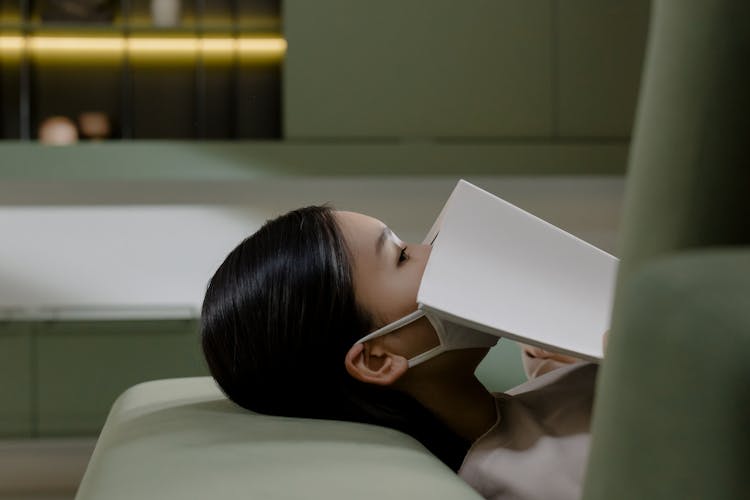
pixel 503 271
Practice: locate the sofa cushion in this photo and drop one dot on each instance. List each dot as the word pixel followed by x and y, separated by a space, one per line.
pixel 181 438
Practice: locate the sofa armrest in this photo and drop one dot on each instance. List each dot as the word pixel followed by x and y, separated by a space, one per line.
pixel 182 439
pixel 673 397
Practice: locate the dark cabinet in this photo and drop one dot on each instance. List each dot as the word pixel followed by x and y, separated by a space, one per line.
pixel 97 69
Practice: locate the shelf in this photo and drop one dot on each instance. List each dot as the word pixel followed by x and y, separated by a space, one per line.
pixel 196 72
pixel 99 313
pixel 60 27
pixel 255 160
pixel 144 28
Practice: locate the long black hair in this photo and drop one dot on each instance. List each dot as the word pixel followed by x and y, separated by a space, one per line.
pixel 278 317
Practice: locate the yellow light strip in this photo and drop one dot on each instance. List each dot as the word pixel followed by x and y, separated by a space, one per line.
pixel 93 46
pixel 43 46
pixel 11 44
pixel 222 46
pixel 172 46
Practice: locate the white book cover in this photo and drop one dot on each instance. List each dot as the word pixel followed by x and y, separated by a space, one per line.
pixel 504 271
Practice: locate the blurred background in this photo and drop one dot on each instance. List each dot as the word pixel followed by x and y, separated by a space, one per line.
pixel 141 140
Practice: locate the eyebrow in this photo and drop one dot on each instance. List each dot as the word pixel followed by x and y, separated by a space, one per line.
pixel 381 239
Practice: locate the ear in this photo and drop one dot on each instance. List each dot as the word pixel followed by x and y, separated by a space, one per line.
pixel 374 364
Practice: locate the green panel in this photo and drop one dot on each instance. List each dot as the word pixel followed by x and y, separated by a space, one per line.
pixel 15 379
pixel 410 68
pixel 599 57
pixel 254 161
pixel 83 366
pixel 502 368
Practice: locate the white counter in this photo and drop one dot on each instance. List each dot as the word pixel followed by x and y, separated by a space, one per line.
pixel 143 259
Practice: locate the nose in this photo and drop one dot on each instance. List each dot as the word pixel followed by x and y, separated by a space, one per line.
pixel 427 249
pixel 423 257
pixel 420 252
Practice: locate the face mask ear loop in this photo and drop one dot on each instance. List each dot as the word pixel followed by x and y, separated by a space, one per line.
pixel 438 349
pixel 392 327
pixel 425 356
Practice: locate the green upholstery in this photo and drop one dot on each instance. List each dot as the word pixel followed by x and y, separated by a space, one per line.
pixel 182 439
pixel 673 397
pixel 672 414
pixel 688 174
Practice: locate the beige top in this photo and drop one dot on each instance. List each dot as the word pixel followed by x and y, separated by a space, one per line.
pixel 538 447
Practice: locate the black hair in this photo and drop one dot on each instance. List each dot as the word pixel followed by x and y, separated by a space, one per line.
pixel 282 306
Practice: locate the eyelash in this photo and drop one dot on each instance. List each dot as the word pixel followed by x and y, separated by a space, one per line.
pixel 403 256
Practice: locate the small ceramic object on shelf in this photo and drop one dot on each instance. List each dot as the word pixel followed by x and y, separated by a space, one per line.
pixel 94 125
pixel 165 13
pixel 80 11
pixel 58 131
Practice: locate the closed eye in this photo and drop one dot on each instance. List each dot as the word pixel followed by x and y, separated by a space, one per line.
pixel 403 256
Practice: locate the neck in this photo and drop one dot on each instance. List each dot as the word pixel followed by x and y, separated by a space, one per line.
pixel 463 404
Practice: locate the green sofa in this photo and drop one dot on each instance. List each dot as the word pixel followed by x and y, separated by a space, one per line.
pixel 181 438
pixel 672 414
pixel 673 397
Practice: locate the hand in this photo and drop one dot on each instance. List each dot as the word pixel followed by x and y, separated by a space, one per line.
pixel 538 352
pixel 537 361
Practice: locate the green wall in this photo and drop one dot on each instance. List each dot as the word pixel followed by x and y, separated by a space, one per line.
pixel 15 379
pixel 60 378
pixel 501 69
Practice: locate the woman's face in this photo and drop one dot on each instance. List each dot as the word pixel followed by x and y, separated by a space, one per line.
pixel 387 273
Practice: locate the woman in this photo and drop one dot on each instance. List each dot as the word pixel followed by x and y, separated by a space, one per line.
pixel 281 321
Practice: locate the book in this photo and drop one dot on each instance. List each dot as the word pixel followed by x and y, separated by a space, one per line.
pixel 499 269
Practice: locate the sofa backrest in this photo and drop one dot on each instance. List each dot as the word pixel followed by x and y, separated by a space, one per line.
pixel 670 419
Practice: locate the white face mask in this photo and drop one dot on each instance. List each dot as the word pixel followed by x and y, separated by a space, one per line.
pixel 451 335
